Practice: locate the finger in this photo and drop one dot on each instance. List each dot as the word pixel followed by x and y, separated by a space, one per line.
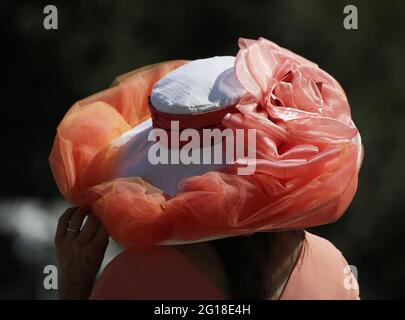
pixel 101 237
pixel 76 222
pixel 90 228
pixel 63 223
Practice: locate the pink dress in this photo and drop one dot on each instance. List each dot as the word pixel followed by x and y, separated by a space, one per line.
pixel 163 272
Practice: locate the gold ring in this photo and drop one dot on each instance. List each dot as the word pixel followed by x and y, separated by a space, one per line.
pixel 72 230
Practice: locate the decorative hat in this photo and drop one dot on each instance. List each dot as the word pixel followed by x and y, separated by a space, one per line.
pixel 307 153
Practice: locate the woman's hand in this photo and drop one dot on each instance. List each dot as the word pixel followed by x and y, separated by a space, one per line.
pixel 80 250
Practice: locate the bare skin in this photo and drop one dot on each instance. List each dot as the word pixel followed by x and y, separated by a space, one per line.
pixel 80 253
pixel 286 248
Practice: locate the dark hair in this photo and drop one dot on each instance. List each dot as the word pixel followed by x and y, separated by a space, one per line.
pixel 250 260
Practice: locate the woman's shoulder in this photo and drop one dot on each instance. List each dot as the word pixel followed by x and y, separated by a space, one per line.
pixel 321 272
pixel 160 272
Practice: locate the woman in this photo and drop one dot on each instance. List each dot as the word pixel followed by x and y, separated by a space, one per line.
pixel 306 154
pixel 285 265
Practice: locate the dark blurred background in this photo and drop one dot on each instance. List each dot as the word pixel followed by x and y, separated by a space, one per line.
pixel 46 71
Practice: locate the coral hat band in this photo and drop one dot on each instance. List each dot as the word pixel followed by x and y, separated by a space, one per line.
pixel 199 120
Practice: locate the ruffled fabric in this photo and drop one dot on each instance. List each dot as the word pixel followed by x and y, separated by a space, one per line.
pixel 308 156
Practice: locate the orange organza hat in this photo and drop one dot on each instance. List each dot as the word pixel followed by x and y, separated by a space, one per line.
pixel 308 155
